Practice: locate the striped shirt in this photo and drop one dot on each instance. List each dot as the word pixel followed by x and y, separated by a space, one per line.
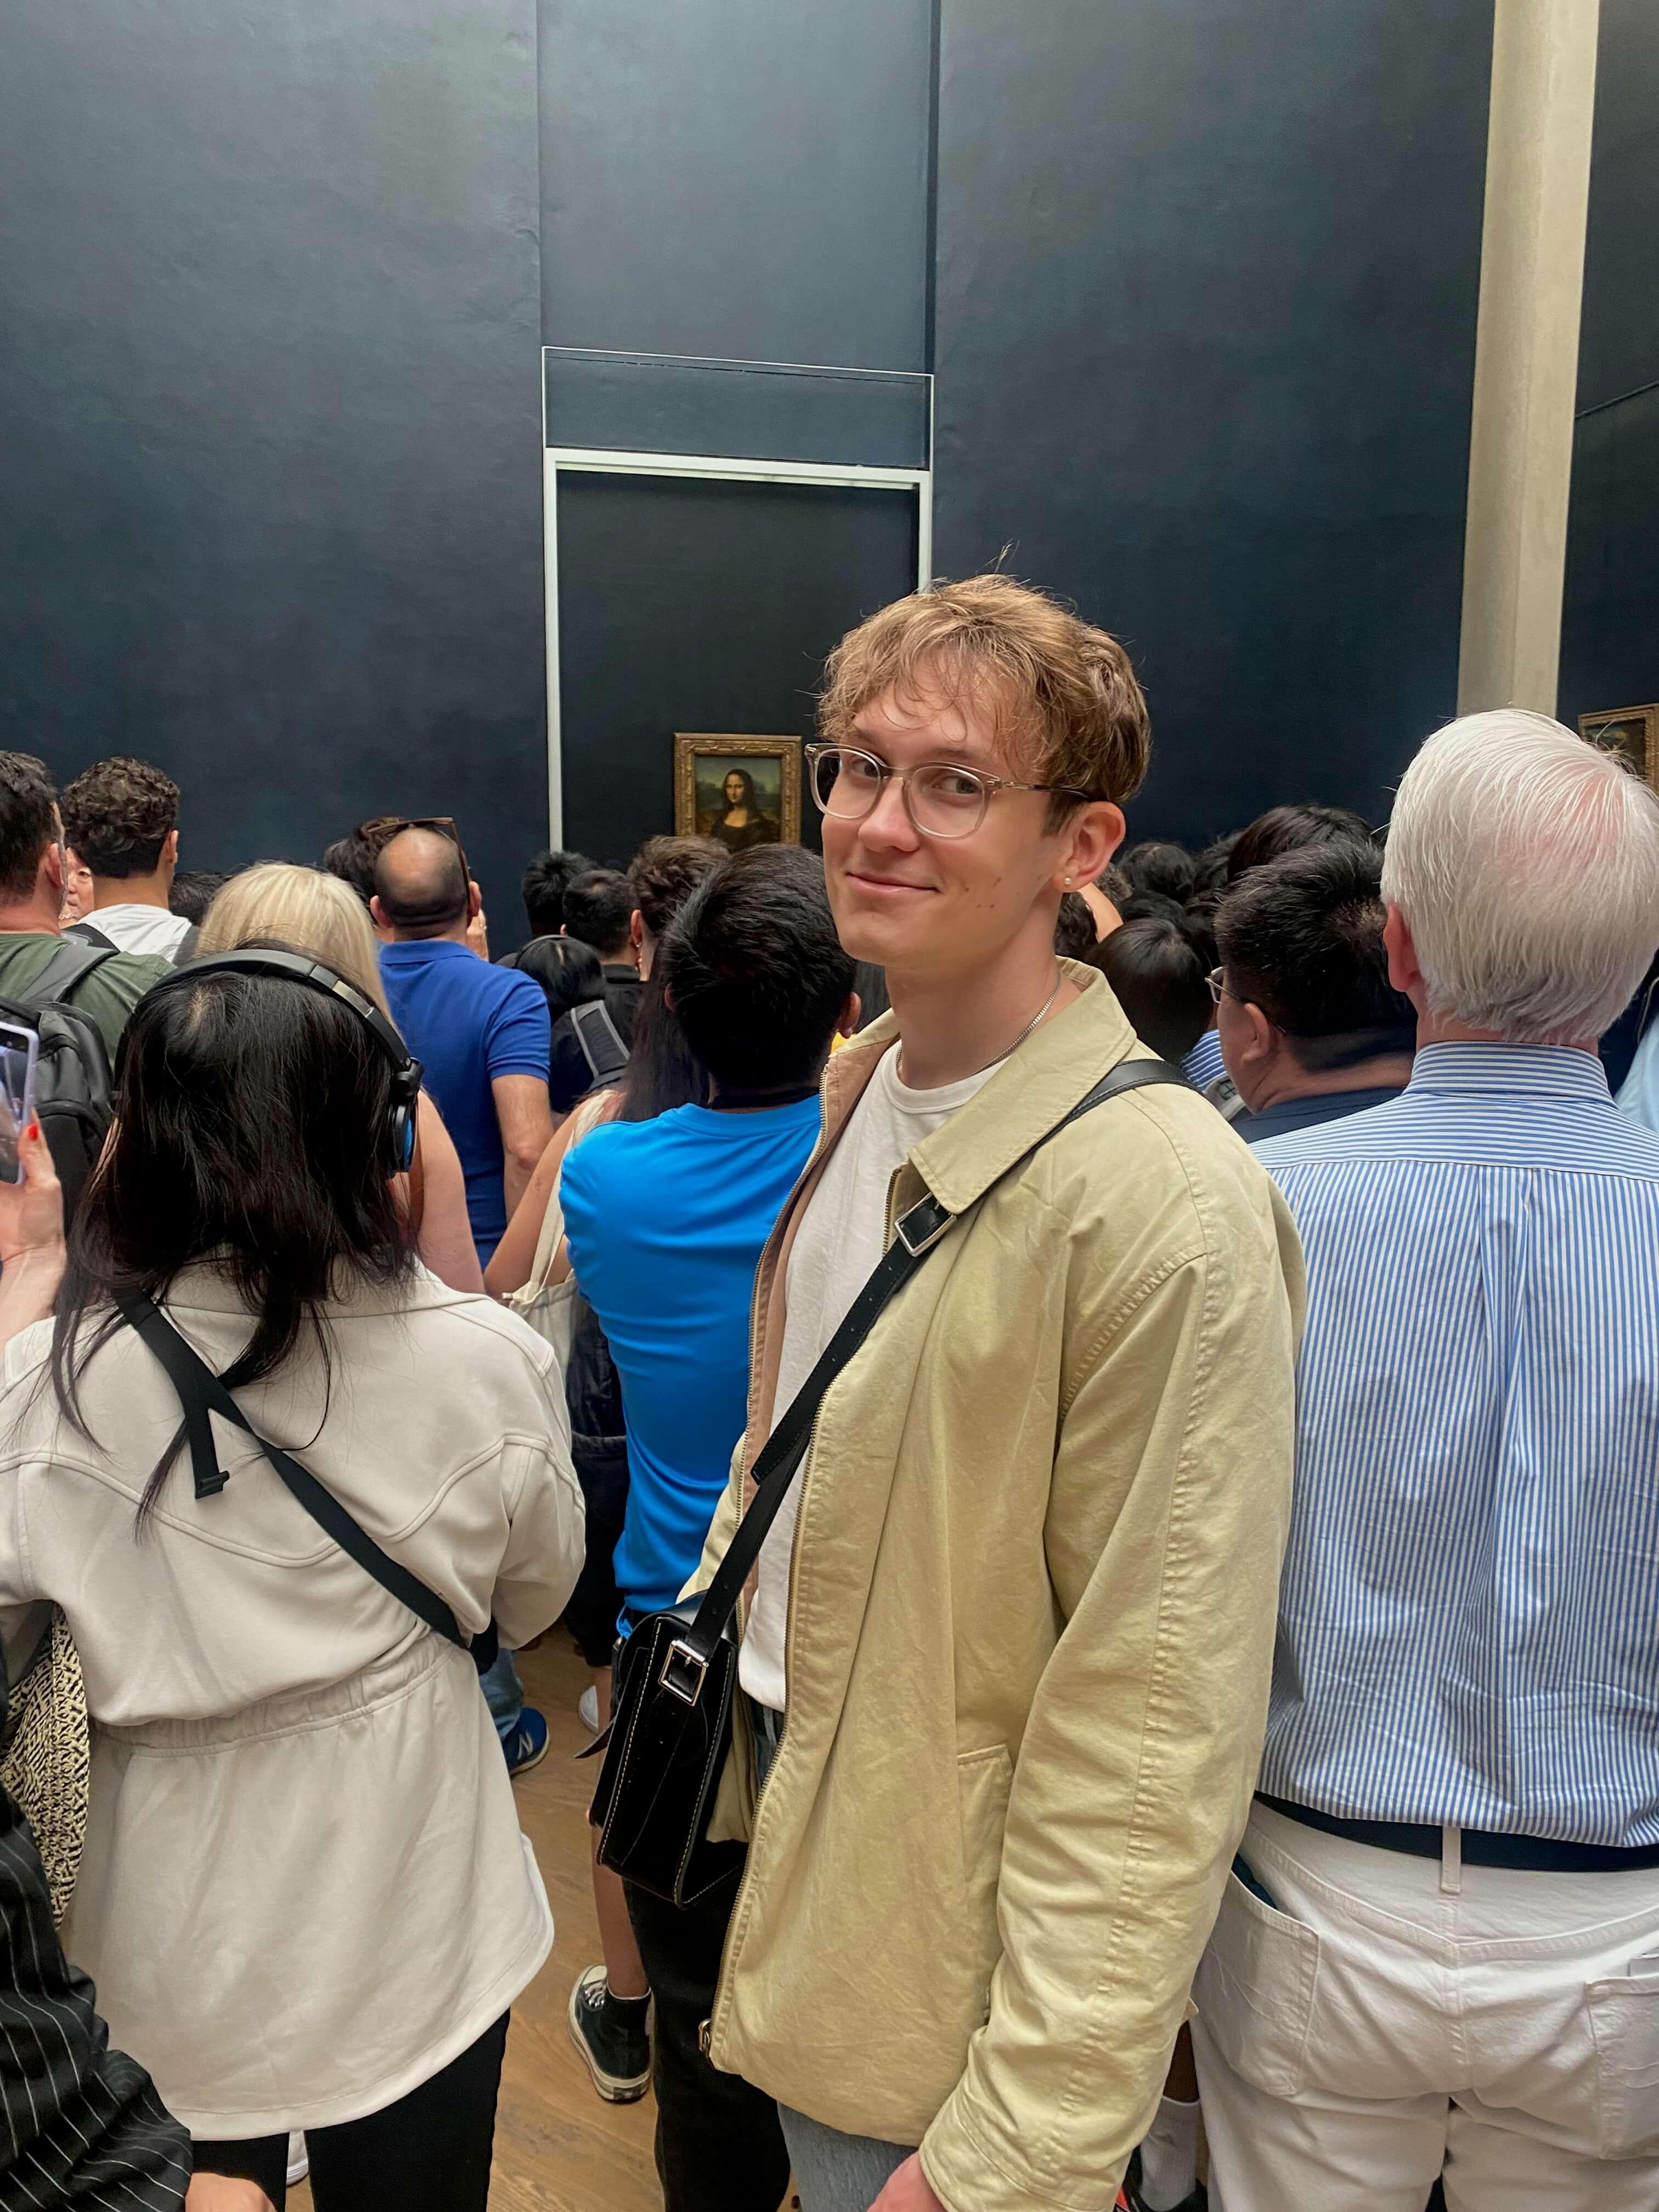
pixel 1469 1615
pixel 80 2123
pixel 1203 1063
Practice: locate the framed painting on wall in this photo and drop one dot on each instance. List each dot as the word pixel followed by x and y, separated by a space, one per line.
pixel 1631 731
pixel 742 791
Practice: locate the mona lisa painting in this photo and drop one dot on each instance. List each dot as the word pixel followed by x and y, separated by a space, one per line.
pixel 741 791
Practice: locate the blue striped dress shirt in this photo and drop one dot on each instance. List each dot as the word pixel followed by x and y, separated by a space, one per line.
pixel 1203 1063
pixel 1469 1616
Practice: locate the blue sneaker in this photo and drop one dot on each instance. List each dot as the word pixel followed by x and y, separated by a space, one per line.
pixel 527 1745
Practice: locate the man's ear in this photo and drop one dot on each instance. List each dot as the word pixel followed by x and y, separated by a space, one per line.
pixel 1263 1037
pixel 1404 973
pixel 1090 838
pixel 170 850
pixel 53 860
pixel 474 901
pixel 377 913
pixel 847 1021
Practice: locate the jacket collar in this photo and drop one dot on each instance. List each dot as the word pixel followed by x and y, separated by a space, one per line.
pixel 207 1287
pixel 1052 1071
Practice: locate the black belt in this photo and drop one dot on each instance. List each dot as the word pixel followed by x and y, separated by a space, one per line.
pixel 1478 1846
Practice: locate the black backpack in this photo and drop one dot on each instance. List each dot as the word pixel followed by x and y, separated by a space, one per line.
pixel 601 1044
pixel 73 1090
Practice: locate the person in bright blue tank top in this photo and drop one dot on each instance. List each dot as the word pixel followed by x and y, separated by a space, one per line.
pixel 666 1218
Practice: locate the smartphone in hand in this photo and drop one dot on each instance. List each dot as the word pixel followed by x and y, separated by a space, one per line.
pixel 19 1050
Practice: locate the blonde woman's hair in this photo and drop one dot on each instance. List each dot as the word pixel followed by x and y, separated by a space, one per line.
pixel 303 908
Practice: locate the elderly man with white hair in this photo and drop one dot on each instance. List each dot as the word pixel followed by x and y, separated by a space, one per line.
pixel 1438 1954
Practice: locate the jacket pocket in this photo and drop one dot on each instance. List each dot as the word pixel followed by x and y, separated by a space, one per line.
pixel 984 1779
pixel 1254 1990
pixel 1625 2020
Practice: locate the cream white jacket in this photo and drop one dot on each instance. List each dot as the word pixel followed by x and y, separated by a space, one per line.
pixel 304 1889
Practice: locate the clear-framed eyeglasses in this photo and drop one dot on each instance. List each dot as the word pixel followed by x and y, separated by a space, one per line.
pixel 942 798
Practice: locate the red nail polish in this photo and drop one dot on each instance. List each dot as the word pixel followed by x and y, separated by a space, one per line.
pixel 33 1132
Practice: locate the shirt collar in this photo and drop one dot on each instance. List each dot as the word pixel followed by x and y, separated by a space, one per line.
pixel 1052 1071
pixel 424 948
pixel 1560 1071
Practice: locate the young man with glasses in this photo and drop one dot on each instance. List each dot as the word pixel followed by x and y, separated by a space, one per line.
pixel 1005 1662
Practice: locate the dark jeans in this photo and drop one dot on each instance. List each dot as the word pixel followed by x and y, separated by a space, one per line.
pixel 591 1610
pixel 720 2148
pixel 427 2153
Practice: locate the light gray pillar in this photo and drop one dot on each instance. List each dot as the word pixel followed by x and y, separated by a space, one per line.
pixel 1526 369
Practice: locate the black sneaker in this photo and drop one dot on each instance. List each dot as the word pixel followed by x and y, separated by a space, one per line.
pixel 618 2052
pixel 1130 2199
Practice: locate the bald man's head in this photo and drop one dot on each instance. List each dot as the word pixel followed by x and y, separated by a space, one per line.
pixel 420 884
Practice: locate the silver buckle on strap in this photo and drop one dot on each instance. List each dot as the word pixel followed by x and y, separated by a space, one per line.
pixel 918 1237
pixel 688 1686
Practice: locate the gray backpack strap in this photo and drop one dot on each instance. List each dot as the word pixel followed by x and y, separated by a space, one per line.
pixel 67 967
pixel 598 1035
pixel 87 933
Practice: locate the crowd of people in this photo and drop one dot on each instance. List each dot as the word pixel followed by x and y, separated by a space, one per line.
pixel 1199 1648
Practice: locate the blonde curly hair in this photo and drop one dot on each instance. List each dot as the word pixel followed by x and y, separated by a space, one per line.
pixel 1062 695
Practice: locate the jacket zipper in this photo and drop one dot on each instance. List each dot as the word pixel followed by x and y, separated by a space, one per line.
pixel 705 2028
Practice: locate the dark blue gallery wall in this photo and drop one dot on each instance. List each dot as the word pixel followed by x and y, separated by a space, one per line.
pixel 1206 289
pixel 1610 613
pixel 738 178
pixel 270 398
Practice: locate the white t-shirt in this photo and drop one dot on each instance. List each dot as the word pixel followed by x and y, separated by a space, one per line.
pixel 837 1246
pixel 136 928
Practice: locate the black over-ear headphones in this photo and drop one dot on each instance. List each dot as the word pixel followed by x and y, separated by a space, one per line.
pixel 316 975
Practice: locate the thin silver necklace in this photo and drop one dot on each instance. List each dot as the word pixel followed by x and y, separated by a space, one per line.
pixel 1036 1022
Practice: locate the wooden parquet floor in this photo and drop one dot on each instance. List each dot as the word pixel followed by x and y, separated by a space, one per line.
pixel 558 2147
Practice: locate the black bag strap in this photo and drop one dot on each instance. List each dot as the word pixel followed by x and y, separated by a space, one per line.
pixel 201 1391
pixel 601 1041
pixel 71 964
pixel 779 1461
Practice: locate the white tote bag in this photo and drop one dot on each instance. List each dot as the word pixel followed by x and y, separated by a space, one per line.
pixel 549 1307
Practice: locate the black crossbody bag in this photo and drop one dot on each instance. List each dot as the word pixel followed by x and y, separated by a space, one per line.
pixel 201 1393
pixel 670 1728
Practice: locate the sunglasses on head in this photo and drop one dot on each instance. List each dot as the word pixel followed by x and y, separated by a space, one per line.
pixel 380 828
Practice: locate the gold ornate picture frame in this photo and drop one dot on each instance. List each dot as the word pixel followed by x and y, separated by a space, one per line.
pixel 1632 732
pixel 740 790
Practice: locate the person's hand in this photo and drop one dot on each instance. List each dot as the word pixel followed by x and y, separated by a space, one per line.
pixel 32 1209
pixel 218 2192
pixel 477 930
pixel 907 2191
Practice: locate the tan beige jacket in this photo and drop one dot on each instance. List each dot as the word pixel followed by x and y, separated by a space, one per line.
pixel 1030 1628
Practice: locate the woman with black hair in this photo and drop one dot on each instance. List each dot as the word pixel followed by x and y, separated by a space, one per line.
pixel 304 1898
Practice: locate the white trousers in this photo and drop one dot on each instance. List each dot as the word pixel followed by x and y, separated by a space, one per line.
pixel 1394 2016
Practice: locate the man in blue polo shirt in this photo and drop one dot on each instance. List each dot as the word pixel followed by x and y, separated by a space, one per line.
pixel 480 1032
pixel 667 1220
